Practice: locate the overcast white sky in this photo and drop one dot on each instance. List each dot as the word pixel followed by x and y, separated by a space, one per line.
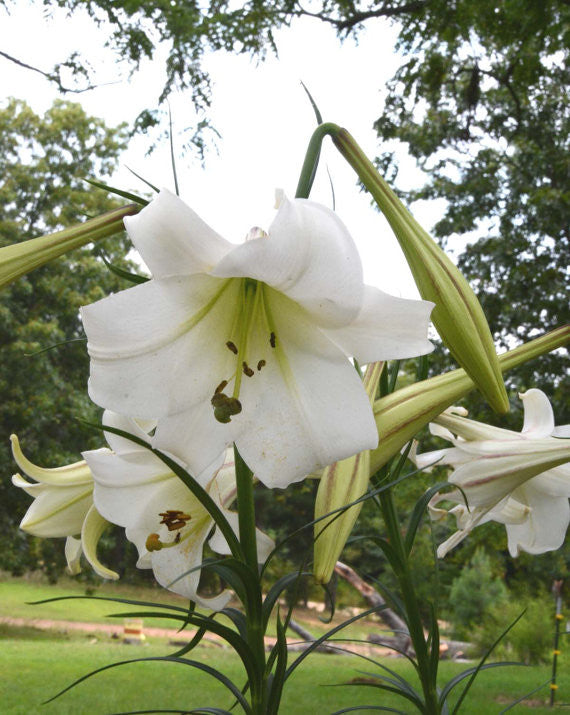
pixel 261 112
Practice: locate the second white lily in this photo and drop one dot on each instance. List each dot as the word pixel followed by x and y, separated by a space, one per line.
pixel 519 479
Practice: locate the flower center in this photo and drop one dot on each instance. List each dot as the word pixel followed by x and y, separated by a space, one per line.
pixel 175 520
pixel 251 312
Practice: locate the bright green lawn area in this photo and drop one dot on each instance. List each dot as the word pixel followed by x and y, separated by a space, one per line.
pixel 36 665
pixel 35 669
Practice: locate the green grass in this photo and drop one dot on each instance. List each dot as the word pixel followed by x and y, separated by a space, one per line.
pixel 36 665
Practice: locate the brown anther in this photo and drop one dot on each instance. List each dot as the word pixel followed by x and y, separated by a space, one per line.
pixel 260 364
pixel 177 538
pixel 220 387
pixel 247 370
pixel 174 519
pixel 232 346
pixel 153 543
pixel 272 340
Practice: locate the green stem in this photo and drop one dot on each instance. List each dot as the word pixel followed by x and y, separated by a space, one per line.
pixel 254 618
pixel 428 677
pixel 311 162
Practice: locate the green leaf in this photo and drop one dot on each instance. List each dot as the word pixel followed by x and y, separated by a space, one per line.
pixel 418 512
pixel 119 192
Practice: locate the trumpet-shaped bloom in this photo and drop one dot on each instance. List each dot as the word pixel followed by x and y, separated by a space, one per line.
pixel 519 479
pixel 62 506
pixel 165 521
pixel 249 343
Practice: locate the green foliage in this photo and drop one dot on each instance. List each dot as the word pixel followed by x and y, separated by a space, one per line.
pixel 530 640
pixel 473 592
pixel 43 161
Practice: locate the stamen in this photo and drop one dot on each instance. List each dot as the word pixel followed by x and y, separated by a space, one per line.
pixel 153 543
pixel 174 519
pixel 232 346
pixel 272 340
pixel 247 370
pixel 261 364
pixel 220 387
pixel 225 407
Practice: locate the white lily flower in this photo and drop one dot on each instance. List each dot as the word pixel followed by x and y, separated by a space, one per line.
pixel 521 479
pixel 63 506
pixel 165 521
pixel 249 343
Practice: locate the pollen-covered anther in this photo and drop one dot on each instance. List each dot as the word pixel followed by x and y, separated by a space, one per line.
pixel 272 340
pixel 232 347
pixel 225 407
pixel 261 364
pixel 247 370
pixel 174 519
pixel 153 543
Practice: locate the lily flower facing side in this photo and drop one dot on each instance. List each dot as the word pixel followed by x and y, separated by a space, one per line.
pixel 249 343
pixel 166 522
pixel 519 479
pixel 63 506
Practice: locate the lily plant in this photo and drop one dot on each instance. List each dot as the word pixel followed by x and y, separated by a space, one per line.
pixel 238 363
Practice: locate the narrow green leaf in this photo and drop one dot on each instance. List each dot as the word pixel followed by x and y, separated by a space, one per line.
pixel 164 659
pixel 119 192
pixel 418 512
pixel 145 181
pixel 127 275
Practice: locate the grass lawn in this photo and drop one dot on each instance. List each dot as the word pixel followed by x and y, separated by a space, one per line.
pixel 36 665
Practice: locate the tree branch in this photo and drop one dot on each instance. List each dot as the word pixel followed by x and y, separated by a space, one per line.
pixel 51 76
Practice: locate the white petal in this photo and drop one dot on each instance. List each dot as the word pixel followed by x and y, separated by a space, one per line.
pixel 73 553
pixel 314 408
pixel 450 456
pixel 195 437
pixel 71 474
pixel 55 511
pixel 546 525
pixel 561 432
pixel 159 348
pixel 555 482
pixel 126 424
pixel 130 491
pixel 93 527
pixel 173 240
pixel 310 257
pixel 538 415
pixel 473 430
pixel 386 328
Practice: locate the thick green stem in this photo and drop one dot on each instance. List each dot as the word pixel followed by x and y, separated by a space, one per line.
pixel 254 619
pixel 426 673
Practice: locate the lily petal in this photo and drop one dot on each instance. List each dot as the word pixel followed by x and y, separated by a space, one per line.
pixel 173 240
pixel 546 524
pixel 73 553
pixel 538 415
pixel 93 527
pixel 386 328
pixel 310 257
pixel 151 346
pixel 315 408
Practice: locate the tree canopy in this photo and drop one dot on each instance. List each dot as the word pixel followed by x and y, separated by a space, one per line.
pixel 43 161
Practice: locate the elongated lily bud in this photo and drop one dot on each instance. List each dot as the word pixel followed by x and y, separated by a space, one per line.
pixel 21 258
pixel 400 415
pixel 341 483
pixel 458 315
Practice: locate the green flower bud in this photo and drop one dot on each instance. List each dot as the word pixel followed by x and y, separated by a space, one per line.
pixel 457 315
pixel 21 258
pixel 341 483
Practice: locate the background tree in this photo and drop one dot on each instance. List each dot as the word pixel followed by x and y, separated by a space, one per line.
pixel 480 101
pixel 43 160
